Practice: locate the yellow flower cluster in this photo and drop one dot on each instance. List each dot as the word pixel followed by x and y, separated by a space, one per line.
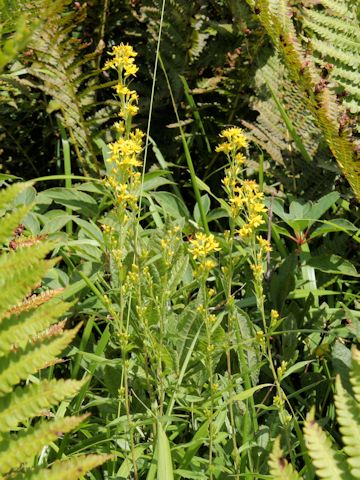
pixel 235 140
pixel 123 61
pixel 245 198
pixel 124 159
pixel 248 202
pixel 203 245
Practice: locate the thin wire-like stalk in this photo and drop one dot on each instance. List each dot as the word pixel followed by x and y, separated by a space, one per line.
pixel 147 139
pixel 187 154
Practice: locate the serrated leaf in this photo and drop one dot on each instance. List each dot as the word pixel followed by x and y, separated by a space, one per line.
pixel 348 415
pixel 25 403
pixel 329 464
pixel 25 325
pixel 20 271
pixel 280 469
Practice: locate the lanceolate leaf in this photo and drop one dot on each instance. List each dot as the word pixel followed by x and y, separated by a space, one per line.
pixel 163 460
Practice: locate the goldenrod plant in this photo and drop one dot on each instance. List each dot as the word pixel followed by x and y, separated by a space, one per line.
pixel 31 339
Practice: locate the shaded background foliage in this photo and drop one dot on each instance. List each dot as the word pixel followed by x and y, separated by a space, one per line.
pixel 222 54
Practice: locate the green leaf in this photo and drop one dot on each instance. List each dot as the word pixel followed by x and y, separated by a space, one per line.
pixel 205 201
pixel 76 200
pixel 55 220
pixel 171 205
pixel 296 368
pixel 335 225
pixel 333 264
pixel 163 456
pixel 318 209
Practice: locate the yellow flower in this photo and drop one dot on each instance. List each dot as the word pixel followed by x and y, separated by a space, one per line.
pixel 224 147
pixel 130 69
pixel 264 244
pixel 123 57
pixel 235 136
pixel 240 158
pixel 203 245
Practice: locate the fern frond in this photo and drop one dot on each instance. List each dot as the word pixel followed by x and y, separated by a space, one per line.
pixel 20 272
pixel 26 403
pixel 57 65
pixel 355 374
pixel 280 469
pixel 9 194
pixel 29 341
pixel 70 469
pixel 336 39
pixel 348 415
pixel 340 7
pixel 317 96
pixel 11 221
pixel 330 464
pixel 14 451
pixel 26 325
pixel 18 365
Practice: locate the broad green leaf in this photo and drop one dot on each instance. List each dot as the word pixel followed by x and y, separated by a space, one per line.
pixel 318 209
pixel 295 368
pixel 76 200
pixel 335 225
pixel 171 205
pixel 333 264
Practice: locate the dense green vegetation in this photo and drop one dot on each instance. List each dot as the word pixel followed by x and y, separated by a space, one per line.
pixel 179 223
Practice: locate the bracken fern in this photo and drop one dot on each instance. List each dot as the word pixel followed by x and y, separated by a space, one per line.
pixel 30 340
pixel 331 462
pixel 318 97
